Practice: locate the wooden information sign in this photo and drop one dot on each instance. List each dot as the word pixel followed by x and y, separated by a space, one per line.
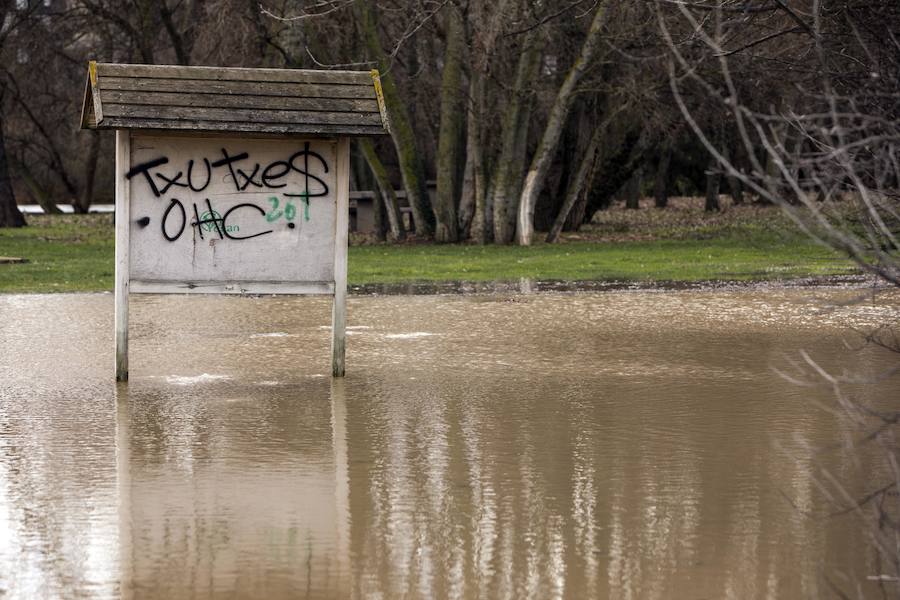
pixel 232 181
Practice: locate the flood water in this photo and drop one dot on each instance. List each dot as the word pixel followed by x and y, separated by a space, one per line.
pixel 570 445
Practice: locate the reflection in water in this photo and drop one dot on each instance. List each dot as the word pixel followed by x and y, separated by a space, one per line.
pixel 498 446
pixel 224 493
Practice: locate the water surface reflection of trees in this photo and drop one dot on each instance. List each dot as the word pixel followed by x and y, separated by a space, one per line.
pixel 543 488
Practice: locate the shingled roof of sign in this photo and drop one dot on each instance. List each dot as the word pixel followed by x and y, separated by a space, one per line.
pixel 237 100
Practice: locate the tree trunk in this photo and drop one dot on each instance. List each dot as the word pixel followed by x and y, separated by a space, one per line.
pixel 10 216
pixel 411 168
pixel 517 114
pixel 40 195
pixel 51 146
pixel 661 181
pixel 475 220
pixel 182 39
pixel 712 188
pixel 576 191
pixel 572 150
pixel 735 187
pixel 537 173
pixel 83 203
pixel 616 165
pixel 380 216
pixel 577 216
pixel 392 208
pixel 450 148
pixel 633 190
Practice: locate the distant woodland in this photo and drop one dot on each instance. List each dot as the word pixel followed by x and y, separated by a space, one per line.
pixel 524 117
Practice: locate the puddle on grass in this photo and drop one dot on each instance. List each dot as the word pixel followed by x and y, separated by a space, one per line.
pixel 586 445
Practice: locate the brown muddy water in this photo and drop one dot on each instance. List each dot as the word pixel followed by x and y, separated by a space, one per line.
pixel 552 445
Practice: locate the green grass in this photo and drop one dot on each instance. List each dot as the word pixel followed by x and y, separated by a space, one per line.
pixel 68 253
pixel 733 259
pixel 75 253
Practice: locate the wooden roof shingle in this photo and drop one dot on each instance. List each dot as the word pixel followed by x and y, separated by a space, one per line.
pixel 215 99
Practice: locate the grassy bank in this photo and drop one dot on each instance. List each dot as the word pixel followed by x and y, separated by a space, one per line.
pixel 75 253
pixel 65 253
pixel 768 257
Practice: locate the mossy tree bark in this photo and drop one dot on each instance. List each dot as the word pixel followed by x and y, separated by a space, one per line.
pixel 450 138
pixel 381 218
pixel 475 217
pixel 540 164
pixel 507 178
pixel 617 162
pixel 484 26
pixel 411 168
pixel 575 190
pixel 575 137
pixel 578 213
pixel 392 208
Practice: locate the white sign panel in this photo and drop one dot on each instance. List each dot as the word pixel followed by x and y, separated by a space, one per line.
pixel 231 215
pixel 212 212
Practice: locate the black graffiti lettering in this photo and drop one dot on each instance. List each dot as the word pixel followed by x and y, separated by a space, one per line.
pixel 215 221
pixel 248 179
pixel 190 179
pixel 165 218
pixel 144 169
pixel 196 223
pixel 211 217
pixel 306 153
pixel 242 237
pixel 171 182
pixel 268 178
pixel 273 175
pixel 228 161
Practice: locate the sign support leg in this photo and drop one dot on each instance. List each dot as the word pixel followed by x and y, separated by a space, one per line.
pixel 341 225
pixel 123 218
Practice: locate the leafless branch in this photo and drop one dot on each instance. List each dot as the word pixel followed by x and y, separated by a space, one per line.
pixel 319 9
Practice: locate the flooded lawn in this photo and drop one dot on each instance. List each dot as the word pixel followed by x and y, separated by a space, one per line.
pixel 572 445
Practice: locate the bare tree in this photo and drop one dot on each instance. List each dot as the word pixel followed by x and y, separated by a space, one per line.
pixel 451 150
pixel 540 164
pixel 411 167
pixel 839 183
pixel 824 147
pixel 507 175
pixel 12 17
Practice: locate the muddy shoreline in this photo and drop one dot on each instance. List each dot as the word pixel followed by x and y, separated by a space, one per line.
pixel 533 286
pixel 530 286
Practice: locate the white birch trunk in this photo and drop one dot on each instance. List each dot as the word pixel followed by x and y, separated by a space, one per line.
pixel 537 173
